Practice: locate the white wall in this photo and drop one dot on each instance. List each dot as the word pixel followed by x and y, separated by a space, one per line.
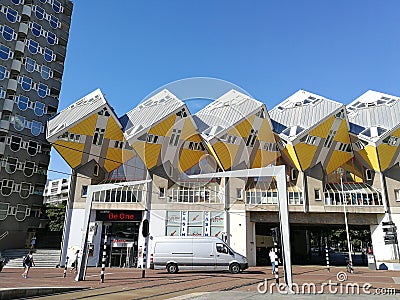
pixel 238 232
pixel 383 252
pixel 75 231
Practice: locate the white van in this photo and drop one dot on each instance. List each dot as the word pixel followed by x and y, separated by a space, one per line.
pixel 195 253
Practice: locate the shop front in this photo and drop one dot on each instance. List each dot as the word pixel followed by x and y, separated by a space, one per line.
pixel 122 229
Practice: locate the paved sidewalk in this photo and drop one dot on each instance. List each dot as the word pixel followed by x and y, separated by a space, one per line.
pixel 128 284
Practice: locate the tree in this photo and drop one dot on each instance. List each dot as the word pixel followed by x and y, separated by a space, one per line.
pixel 56 215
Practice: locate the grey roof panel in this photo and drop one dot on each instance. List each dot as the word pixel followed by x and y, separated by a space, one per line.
pixel 75 112
pixel 151 111
pixel 303 109
pixel 375 109
pixel 226 111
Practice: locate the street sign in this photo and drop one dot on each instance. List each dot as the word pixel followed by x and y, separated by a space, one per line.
pixel 390 223
pixel 390 238
pixel 389 229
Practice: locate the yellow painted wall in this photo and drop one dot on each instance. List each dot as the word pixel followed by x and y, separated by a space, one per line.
pixel 189 158
pixel 226 153
pixel 113 159
pixel 290 152
pixel 189 132
pixel 113 131
pixel 265 133
pixel 386 154
pixel 305 154
pixel 337 159
pixel 243 128
pixel 212 151
pixel 70 152
pixel 263 158
pixel 323 129
pixel 365 157
pixel 86 127
pixel 148 153
pixel 164 128
pixel 372 157
pixel 342 134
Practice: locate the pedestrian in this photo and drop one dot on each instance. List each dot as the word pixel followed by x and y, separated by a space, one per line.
pixel 272 257
pixel 363 255
pixel 74 264
pixel 33 242
pixel 27 262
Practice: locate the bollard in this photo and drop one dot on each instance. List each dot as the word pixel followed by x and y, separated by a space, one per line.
pixel 327 258
pixel 65 268
pixel 103 259
pixel 276 264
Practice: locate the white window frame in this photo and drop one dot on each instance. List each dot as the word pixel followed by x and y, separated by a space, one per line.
pixel 317 194
pixel 397 194
pixel 368 174
pixel 239 193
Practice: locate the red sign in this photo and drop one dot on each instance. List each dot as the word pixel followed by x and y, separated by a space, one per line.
pixel 119 215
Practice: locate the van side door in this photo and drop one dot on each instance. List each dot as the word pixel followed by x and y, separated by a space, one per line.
pixel 223 256
pixel 203 256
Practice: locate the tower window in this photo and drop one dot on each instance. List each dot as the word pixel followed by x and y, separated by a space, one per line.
pixel 98 136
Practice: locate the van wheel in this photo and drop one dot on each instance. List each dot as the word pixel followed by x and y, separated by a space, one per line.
pixel 172 268
pixel 234 268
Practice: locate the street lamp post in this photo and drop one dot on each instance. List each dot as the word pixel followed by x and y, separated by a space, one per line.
pixel 341 173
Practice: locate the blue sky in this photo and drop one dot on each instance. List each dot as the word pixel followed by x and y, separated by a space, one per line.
pixel 337 49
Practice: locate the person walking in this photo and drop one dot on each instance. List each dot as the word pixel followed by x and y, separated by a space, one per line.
pixel 74 264
pixel 272 257
pixel 28 262
pixel 33 242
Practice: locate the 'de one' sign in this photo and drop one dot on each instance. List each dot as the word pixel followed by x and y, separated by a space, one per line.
pixel 118 216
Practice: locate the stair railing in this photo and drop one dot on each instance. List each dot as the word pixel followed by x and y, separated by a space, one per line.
pixel 3 235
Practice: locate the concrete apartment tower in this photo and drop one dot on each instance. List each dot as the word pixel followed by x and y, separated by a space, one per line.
pixel 33 43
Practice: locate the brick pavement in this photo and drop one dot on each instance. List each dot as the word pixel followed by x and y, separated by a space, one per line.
pixel 128 284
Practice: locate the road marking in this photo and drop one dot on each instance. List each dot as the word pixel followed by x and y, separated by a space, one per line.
pixel 98 275
pixel 396 280
pixel 188 296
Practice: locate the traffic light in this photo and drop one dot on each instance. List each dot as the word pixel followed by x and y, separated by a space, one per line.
pixel 145 228
pixel 275 233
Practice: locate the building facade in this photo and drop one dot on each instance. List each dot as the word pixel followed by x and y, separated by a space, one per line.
pixel 161 163
pixel 56 191
pixel 33 42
